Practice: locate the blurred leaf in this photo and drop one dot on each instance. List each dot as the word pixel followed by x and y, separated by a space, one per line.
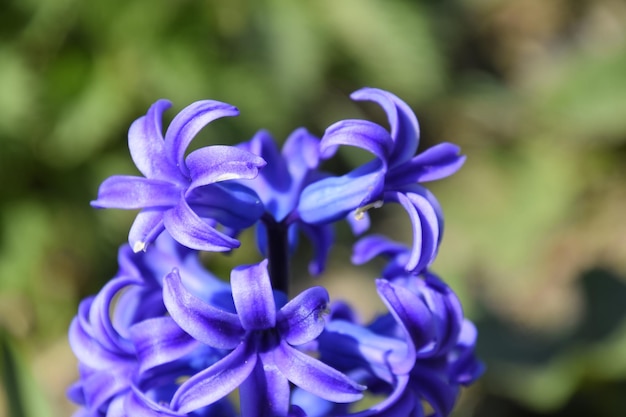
pixel 584 97
pixel 24 397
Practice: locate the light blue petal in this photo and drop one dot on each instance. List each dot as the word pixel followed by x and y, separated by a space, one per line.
pixel 205 323
pixel 252 293
pixel 130 192
pixel 188 123
pixel 333 198
pixel 220 163
pixel 360 133
pixel 147 149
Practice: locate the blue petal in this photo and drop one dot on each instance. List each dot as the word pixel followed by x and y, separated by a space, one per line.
pixel 333 198
pixel 160 340
pixel 138 405
pixel 322 237
pixel 301 151
pixel 220 163
pixel 207 324
pixel 425 225
pixel 147 149
pixel 301 319
pixel 190 230
pixel 404 126
pixel 434 163
pixel 128 192
pixel 188 123
pixel 411 313
pixel 369 247
pixel 316 377
pixel 229 203
pixel 254 300
pixel 360 133
pixel 265 393
pixel 217 381
pixel 147 226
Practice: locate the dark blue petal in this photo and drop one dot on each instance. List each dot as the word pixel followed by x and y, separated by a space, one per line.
pixel 147 149
pixel 360 133
pixel 333 198
pixel 217 381
pixel 435 389
pixel 316 377
pixel 190 230
pixel 265 393
pixel 128 192
pixel 425 225
pixel 229 203
pixel 221 163
pixel 434 163
pixel 301 319
pixel 188 123
pixel 371 246
pixel 254 300
pixel 404 126
pixel 207 324
pixel 411 313
pixel 322 237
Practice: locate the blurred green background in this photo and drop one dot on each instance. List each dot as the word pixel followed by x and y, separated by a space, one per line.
pixel 534 91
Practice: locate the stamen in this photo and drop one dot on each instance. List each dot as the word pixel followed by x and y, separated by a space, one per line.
pixel 360 212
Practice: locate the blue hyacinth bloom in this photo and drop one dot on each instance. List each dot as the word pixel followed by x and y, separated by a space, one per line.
pixel 393 176
pixel 185 195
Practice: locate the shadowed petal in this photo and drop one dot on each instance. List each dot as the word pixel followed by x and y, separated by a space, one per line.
pixel 266 391
pixel 188 123
pixel 128 192
pixel 190 230
pixel 316 377
pixel 411 313
pixel 216 381
pixel 207 324
pixel 404 126
pixel 434 163
pixel 369 247
pixel 322 238
pixel 301 319
pixel 160 340
pixel 147 226
pixel 425 225
pixel 147 149
pixel 254 300
pixel 138 405
pixel 220 163
pixel 360 133
pixel 302 154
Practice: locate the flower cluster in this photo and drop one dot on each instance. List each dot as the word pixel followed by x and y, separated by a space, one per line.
pixel 166 337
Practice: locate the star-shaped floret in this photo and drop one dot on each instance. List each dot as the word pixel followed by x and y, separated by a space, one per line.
pixel 185 195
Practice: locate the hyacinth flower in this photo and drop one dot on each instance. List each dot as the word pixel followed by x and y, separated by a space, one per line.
pixel 279 186
pixel 263 358
pixel 166 337
pixel 393 176
pixel 421 351
pixel 185 195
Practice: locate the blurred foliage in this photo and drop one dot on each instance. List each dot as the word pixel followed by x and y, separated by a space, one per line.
pixel 534 91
